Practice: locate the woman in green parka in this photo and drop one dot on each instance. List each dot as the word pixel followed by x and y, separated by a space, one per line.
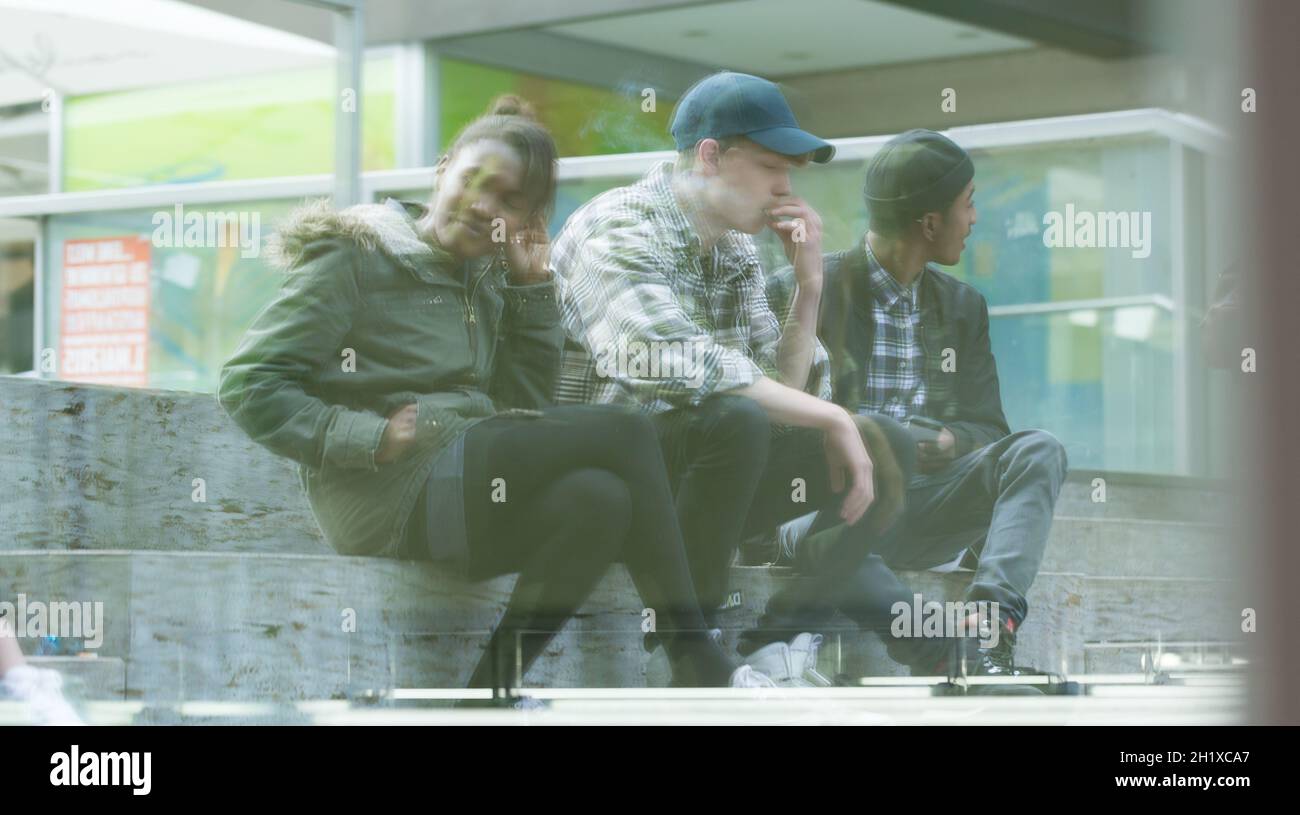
pixel 408 364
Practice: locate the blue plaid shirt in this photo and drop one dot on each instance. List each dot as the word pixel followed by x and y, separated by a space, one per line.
pixel 895 382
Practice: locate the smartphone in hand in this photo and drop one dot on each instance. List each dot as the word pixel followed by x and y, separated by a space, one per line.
pixel 923 428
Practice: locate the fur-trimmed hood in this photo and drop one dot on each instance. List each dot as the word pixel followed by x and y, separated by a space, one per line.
pixel 384 227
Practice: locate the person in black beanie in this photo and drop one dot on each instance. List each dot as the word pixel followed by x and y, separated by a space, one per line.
pixel 908 341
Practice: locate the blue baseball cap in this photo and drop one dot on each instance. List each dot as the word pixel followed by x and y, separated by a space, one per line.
pixel 732 104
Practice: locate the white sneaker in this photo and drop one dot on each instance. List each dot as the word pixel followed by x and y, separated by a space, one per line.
pixel 42 690
pixel 792 664
pixel 778 662
pixel 747 677
pixel 803 658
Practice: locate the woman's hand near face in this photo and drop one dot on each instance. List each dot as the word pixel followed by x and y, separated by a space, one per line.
pixel 528 252
pixel 399 435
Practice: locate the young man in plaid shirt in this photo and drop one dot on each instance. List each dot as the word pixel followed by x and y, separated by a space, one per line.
pixel 911 342
pixel 663 300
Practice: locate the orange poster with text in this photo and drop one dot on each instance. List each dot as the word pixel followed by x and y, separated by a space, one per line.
pixel 105 323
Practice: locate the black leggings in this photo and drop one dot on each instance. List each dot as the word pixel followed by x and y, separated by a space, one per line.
pixel 584 486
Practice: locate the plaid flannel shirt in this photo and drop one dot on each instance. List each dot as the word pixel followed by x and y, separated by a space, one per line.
pixel 654 319
pixel 895 382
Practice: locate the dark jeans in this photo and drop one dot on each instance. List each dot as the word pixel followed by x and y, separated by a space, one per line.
pixel 997 502
pixel 584 487
pixel 734 475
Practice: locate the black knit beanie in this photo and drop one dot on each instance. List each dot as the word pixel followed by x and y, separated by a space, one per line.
pixel 916 172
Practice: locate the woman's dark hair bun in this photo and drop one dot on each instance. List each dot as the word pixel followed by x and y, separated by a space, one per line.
pixel 510 105
pixel 512 121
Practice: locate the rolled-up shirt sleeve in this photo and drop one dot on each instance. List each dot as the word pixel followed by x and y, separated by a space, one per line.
pixel 778 293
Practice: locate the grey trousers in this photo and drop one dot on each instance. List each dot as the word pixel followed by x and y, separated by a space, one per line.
pixel 996 503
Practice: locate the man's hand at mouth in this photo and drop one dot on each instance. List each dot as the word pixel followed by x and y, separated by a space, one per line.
pixel 800 229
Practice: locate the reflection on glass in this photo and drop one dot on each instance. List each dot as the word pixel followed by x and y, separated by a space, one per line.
pixel 1100 380
pixel 200 298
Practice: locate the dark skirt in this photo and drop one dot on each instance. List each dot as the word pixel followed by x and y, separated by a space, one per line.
pixel 436 529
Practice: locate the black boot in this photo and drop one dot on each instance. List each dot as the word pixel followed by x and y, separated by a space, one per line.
pixel 999 661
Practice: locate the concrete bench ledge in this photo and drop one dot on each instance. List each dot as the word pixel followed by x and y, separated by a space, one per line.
pixel 90 467
pixel 1093 546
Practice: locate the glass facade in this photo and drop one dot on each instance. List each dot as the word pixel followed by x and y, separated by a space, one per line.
pixel 200 299
pixel 17 295
pixel 584 119
pixel 273 125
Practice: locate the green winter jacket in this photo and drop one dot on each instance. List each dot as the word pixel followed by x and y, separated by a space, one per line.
pixel 371 317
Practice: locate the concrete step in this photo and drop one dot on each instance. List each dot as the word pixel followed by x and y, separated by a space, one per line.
pixel 288 627
pixel 1168 656
pixel 1092 546
pixel 1171 608
pixel 1053 635
pixel 1120 547
pixel 91 467
pixel 1197 620
pixel 1075 620
pixel 1148 497
pixel 85 466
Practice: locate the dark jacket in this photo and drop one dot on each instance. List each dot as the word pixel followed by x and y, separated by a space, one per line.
pixel 360 284
pixel 954 315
